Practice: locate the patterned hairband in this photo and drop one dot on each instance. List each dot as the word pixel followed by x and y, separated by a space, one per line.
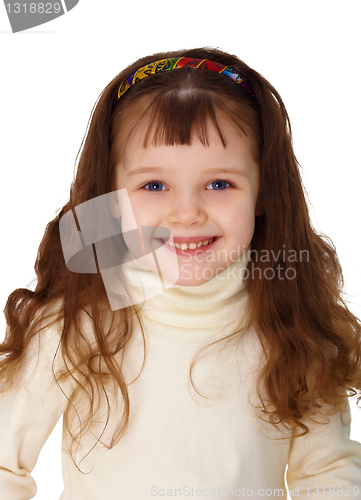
pixel 181 62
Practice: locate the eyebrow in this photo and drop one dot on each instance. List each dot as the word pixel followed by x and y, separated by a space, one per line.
pixel 160 170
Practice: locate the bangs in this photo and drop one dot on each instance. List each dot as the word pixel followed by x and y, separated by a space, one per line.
pixel 177 118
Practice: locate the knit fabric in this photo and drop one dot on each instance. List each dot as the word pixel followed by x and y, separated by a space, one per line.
pixel 178 443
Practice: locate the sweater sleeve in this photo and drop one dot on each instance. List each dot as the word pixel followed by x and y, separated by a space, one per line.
pixel 29 412
pixel 326 463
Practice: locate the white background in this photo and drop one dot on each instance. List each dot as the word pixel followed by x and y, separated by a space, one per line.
pixel 53 74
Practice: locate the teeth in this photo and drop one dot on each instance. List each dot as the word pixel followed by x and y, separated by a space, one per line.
pixel 191 246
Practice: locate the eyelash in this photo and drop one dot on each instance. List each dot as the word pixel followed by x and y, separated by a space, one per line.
pixel 217 180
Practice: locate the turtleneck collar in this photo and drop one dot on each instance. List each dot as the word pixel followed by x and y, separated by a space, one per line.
pixel 215 303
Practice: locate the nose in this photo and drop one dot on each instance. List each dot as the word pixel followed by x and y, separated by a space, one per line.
pixel 187 209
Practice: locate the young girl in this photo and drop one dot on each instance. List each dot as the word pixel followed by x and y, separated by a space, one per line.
pixel 187 320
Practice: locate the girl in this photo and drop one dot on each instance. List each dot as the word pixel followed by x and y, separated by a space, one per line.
pixel 187 321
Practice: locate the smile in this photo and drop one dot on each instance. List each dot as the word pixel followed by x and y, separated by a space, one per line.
pixel 190 248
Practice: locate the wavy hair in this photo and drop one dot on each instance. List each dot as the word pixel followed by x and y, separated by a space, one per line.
pixel 310 339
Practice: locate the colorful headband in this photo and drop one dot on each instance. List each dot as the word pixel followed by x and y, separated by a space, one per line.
pixel 181 62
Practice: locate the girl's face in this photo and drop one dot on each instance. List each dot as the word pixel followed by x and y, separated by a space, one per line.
pixel 186 190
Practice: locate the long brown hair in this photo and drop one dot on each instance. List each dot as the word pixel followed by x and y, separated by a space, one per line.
pixel 311 341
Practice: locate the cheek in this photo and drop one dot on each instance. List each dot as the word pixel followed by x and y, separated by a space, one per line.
pixel 240 214
pixel 142 209
pixel 245 224
pixel 239 222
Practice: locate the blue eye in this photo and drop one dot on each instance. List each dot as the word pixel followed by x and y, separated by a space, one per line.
pixel 152 184
pixel 217 182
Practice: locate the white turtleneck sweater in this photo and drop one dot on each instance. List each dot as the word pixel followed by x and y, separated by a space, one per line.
pixel 177 444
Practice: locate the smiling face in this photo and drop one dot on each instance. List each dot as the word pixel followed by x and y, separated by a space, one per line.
pixel 186 190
